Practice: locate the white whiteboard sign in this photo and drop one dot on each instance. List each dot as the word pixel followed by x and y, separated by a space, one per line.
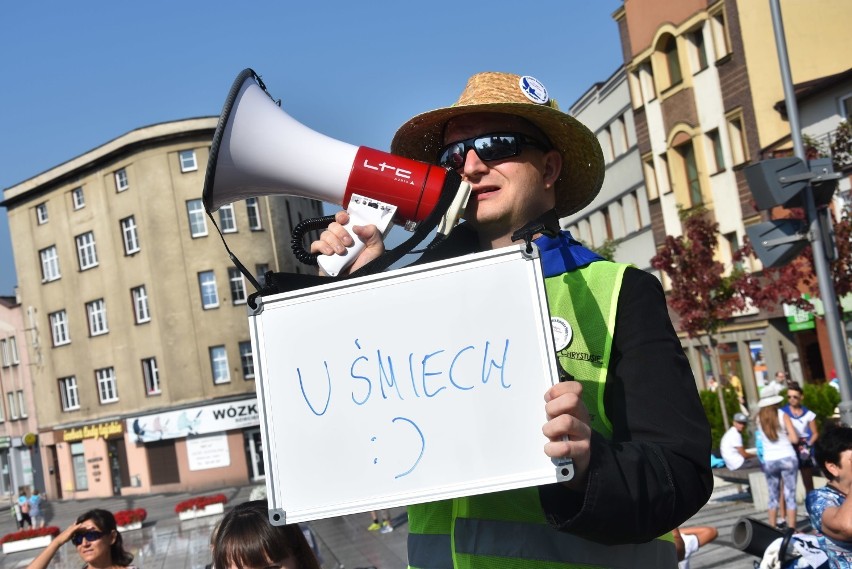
pixel 410 386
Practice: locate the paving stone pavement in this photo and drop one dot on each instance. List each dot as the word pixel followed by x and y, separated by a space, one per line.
pixel 166 543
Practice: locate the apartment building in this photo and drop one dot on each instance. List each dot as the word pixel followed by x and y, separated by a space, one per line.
pixel 704 80
pixel 20 461
pixel 619 214
pixel 144 370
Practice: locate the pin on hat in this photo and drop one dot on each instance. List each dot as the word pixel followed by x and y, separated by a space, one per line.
pixel 491 92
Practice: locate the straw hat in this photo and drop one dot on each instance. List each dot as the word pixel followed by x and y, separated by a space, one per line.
pixel 769 401
pixel 491 92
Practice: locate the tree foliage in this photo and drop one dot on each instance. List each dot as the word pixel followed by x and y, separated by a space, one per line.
pixel 841 147
pixel 702 294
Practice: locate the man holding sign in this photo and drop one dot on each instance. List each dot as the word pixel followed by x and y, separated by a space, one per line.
pixel 632 421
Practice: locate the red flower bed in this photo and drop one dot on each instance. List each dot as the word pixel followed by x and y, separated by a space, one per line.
pixel 200 502
pixel 29 533
pixel 127 517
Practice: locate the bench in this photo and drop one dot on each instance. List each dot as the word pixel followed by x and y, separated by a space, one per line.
pixel 735 476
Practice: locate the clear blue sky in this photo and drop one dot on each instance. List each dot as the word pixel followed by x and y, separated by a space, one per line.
pixel 76 75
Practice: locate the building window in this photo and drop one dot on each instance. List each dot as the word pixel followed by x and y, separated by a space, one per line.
pixel 59 328
pixel 209 295
pixel 121 182
pixel 646 81
pixel 720 35
pixel 717 157
pixel 78 460
pixel 846 108
pixel 736 134
pixel 669 49
pixel 49 264
pixel 140 304
pixel 260 271
pixel 187 161
pixel 41 213
pixel 4 350
pixel 22 409
pixel 78 199
pixel 238 286
pixel 87 255
pixel 253 211
pixel 68 393
pixel 650 178
pixel 697 51
pixel 13 350
pixel 151 374
pixel 197 222
pixel 663 178
pixel 618 132
pixel 733 247
pixel 130 235
pixel 689 172
pixel 96 311
pixel 2 417
pixel 13 406
pixel 247 360
pixel 107 387
pixel 605 141
pixel 227 222
pixel 219 365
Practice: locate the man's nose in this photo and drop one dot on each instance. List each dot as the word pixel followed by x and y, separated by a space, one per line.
pixel 473 165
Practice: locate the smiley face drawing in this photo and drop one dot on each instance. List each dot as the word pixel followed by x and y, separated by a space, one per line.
pixel 420 442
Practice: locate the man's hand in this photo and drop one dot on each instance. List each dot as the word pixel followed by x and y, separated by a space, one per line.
pixel 567 417
pixel 335 239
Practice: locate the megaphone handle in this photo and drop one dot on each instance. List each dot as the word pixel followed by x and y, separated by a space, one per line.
pixel 362 211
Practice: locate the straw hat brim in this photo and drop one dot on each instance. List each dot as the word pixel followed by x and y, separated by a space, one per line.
pixel 582 160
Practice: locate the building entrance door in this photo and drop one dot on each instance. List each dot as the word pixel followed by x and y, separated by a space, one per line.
pixel 254 454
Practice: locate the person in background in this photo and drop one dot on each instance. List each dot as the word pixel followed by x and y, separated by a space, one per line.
pixel 36 513
pixel 776 386
pixel 780 460
pixel 829 511
pixel 244 538
pixel 804 421
pixel 24 504
pixel 98 542
pixel 640 460
pixel 731 446
pixel 383 526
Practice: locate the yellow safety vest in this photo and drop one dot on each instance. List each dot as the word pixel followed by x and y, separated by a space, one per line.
pixel 508 530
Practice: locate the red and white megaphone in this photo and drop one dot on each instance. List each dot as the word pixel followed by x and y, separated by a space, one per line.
pixel 259 150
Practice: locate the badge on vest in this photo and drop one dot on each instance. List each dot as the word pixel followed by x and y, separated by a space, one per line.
pixel 562 332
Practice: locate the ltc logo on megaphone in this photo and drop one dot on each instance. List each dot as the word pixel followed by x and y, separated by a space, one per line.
pixel 259 150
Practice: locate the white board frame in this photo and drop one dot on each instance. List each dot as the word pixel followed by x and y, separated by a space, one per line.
pixel 318 465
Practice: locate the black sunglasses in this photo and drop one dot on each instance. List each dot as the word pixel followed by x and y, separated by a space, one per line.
pixel 90 536
pixel 494 146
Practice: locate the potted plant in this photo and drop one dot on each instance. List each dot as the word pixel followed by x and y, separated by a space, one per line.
pixel 32 538
pixel 201 506
pixel 127 520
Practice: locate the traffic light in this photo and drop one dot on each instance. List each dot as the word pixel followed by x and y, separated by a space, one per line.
pixel 784 182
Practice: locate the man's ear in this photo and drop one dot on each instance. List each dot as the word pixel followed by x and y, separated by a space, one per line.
pixel 552 168
pixel 833 469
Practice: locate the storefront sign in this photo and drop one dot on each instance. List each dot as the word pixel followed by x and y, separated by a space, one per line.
pixel 798 319
pixel 194 421
pixel 207 452
pixel 111 430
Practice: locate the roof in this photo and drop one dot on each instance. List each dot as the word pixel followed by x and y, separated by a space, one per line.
pixel 807 89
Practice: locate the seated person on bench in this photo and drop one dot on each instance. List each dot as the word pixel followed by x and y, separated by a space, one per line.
pixel 731 447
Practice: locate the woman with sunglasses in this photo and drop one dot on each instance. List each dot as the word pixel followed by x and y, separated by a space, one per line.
pixel 97 540
pixel 804 421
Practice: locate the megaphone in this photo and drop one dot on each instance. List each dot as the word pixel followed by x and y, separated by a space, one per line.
pixel 259 150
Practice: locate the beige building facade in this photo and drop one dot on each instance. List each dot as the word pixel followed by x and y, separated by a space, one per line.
pixel 142 315
pixel 704 79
